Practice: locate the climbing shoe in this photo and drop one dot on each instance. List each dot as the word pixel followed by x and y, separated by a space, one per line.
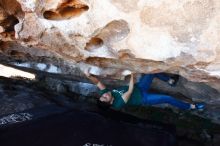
pixel 200 106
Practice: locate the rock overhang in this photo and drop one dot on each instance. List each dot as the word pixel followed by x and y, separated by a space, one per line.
pixel 182 37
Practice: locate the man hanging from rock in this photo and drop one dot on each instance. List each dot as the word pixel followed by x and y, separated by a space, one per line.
pixel 137 94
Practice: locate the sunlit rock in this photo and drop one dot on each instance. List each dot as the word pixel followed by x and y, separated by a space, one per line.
pixel 113 36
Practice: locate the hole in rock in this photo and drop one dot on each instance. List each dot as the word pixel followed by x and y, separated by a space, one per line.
pixel 114 31
pixel 18 54
pixel 94 43
pixel 9 23
pixel 67 10
pixel 51 15
pixel 125 54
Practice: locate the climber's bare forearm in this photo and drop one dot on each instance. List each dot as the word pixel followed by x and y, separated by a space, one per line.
pixel 127 94
pixel 97 82
pixel 131 84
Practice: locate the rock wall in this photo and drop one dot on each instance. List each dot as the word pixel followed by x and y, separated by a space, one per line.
pixel 112 36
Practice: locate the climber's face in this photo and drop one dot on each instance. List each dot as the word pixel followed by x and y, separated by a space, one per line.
pixel 106 97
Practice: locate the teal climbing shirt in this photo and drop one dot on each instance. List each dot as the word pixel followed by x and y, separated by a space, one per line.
pixel 118 102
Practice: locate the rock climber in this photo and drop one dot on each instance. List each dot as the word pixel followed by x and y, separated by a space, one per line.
pixel 137 93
